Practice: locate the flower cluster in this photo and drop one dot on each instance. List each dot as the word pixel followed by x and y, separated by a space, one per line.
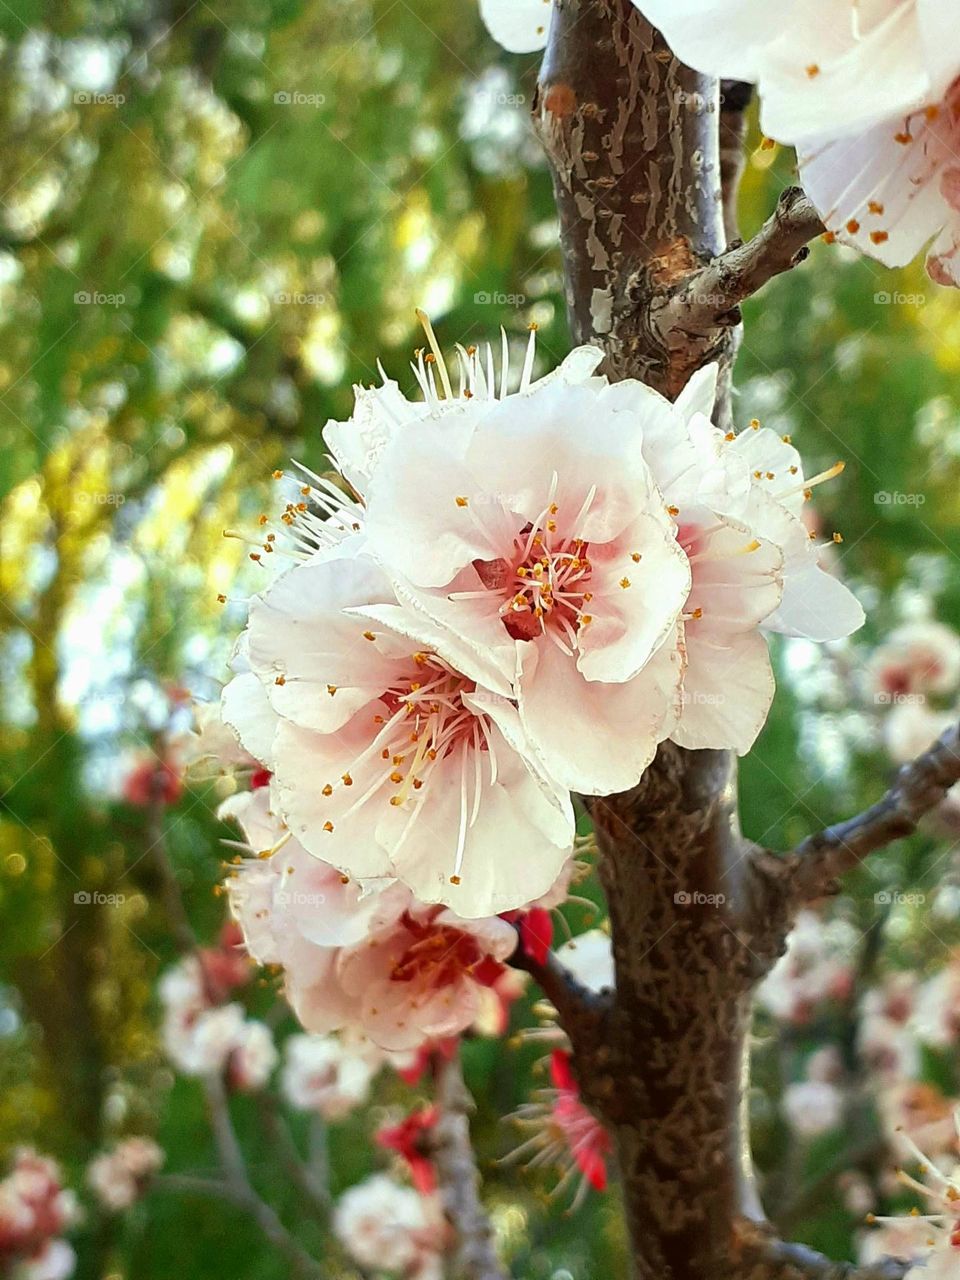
pixel 494 588
pixel 35 1210
pixel 202 1033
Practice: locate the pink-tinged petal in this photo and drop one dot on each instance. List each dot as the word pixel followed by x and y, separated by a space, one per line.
pixel 494 874
pixel 466 633
pixel 316 903
pixel 527 455
pixel 251 892
pixel 429 515
pixel 303 644
pixel 519 26
pixel 639 584
pixel 815 605
pixel 572 721
pixel 878 193
pixel 496 937
pixel 378 414
pixel 727 690
pixel 246 708
pixel 313 990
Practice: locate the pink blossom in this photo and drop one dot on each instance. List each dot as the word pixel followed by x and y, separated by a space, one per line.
pixel 387 1227
pixel 326 1075
pixel 119 1177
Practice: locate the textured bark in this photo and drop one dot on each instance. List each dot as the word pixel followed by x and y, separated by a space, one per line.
pixel 698 915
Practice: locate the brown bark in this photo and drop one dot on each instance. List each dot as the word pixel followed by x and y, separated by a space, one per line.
pixel 698 915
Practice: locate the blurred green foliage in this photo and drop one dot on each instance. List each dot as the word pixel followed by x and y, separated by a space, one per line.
pixel 214 219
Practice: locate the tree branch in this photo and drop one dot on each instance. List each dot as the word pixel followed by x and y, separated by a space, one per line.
pixel 707 302
pixel 474 1256
pixel 580 1010
pixel 816 864
pixel 301 1263
pixel 777 1260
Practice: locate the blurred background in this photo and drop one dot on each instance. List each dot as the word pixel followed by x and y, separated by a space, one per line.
pixel 214 219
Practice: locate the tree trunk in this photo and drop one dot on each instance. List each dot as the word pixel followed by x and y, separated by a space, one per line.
pixel 633 139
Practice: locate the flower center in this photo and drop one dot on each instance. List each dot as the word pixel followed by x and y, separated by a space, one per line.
pixel 545 584
pixel 438 955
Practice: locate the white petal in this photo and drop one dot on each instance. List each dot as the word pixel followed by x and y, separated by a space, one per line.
pixel 246 709
pixel 573 721
pixel 816 605
pixel 520 26
pixel 727 690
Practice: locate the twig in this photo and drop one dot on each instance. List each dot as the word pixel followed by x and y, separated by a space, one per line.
pixel 301 1173
pixel 815 865
pixel 244 1198
pixel 579 1009
pixel 778 1260
pixel 474 1256
pixel 707 302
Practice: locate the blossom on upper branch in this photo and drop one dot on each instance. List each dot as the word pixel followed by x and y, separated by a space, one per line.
pixel 868 91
